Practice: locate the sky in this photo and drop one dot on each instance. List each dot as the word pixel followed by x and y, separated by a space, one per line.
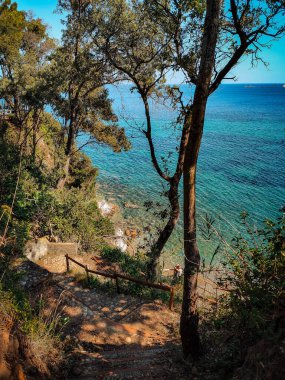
pixel 275 73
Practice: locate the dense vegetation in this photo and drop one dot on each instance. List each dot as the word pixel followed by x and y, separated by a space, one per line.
pixel 40 195
pixel 38 152
pixel 47 185
pixel 40 209
pixel 30 340
pixel 250 316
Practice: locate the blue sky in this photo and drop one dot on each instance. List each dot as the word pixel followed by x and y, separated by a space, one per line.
pixel 44 9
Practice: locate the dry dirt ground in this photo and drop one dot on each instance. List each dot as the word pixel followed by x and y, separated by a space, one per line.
pixel 112 336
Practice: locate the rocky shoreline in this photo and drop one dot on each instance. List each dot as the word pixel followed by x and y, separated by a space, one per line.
pixel 126 237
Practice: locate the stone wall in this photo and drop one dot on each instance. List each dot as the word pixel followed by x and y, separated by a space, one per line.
pixel 37 249
pixel 62 248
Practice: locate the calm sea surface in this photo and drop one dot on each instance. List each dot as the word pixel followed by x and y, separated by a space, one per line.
pixel 241 164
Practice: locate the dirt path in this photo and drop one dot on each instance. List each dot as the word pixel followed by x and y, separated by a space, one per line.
pixel 116 336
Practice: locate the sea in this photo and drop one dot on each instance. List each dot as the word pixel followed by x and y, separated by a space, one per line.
pixel 241 165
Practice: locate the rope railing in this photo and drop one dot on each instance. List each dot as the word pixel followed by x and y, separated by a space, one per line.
pixel 116 276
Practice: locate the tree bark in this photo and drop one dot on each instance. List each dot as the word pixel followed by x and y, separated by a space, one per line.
pixel 189 316
pixel 62 181
pixel 68 151
pixel 35 126
pixel 155 253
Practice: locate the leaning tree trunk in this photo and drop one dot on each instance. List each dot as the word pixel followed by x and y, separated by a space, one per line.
pixel 156 249
pixel 189 315
pixel 173 195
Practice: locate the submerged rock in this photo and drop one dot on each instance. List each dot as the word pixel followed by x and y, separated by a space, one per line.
pixel 132 233
pixel 131 205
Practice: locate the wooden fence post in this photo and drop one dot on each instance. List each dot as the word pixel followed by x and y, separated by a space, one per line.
pixel 67 263
pixel 117 283
pixel 171 300
pixel 87 274
pixel 116 276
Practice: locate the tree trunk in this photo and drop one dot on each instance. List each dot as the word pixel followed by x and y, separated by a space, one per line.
pixel 173 196
pixel 36 119
pixel 68 151
pixel 189 315
pixel 62 181
pixel 155 253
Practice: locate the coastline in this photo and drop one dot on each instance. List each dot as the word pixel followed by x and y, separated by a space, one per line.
pixel 131 235
pixel 127 234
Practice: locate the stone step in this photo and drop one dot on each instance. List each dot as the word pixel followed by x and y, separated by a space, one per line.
pixel 118 307
pixel 122 363
pixel 142 371
pixel 114 343
pixel 134 363
pixel 133 352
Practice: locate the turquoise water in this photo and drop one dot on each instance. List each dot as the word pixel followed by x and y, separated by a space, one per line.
pixel 241 164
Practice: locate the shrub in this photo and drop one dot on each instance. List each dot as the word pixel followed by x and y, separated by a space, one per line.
pixel 39 345
pixel 74 215
pixel 39 209
pixel 135 267
pixel 255 273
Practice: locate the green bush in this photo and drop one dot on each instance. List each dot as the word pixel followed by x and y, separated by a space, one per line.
pixel 37 334
pixel 39 208
pixel 255 273
pixel 135 267
pixel 73 214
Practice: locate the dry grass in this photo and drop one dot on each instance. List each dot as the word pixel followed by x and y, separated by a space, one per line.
pixel 27 341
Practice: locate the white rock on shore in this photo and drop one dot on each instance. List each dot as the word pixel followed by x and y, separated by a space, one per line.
pixel 105 208
pixel 120 241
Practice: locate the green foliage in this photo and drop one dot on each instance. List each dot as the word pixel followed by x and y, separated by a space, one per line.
pixel 24 45
pixel 74 215
pixel 40 334
pixel 13 297
pixel 82 172
pixel 258 266
pixel 12 24
pixel 77 93
pixel 39 209
pixel 132 265
pixel 135 267
pixel 252 310
pixel 246 330
pixel 132 42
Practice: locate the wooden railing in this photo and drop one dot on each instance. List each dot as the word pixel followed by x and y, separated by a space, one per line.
pixel 116 276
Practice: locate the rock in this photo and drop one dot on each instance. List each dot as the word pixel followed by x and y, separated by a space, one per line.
pixel 120 243
pixel 131 205
pixel 35 250
pixel 128 232
pixel 132 233
pixel 120 240
pixel 76 371
pixel 32 275
pixel 119 232
pixel 107 209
